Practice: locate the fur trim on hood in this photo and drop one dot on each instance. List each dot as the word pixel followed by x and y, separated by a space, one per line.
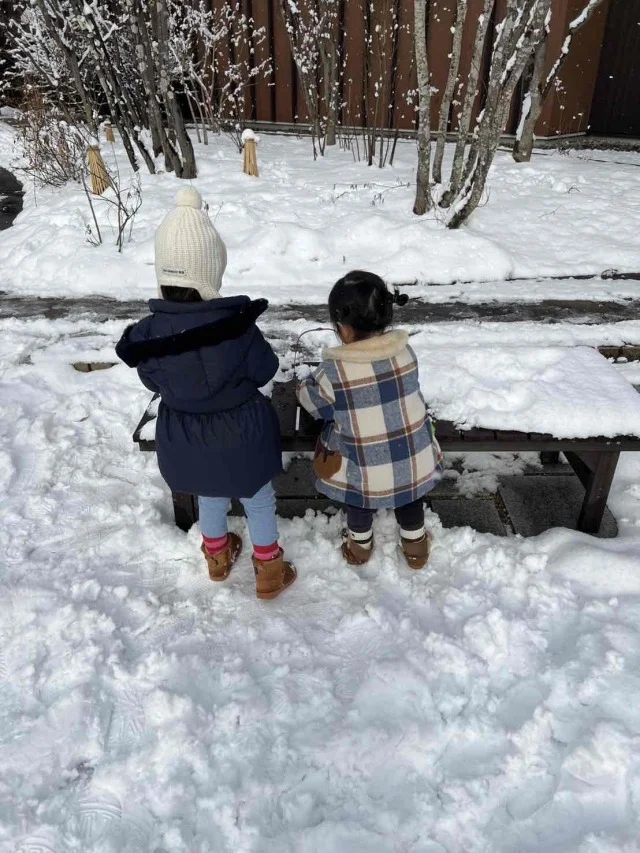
pixel 207 335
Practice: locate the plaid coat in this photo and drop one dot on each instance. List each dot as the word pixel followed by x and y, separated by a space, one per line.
pixel 369 395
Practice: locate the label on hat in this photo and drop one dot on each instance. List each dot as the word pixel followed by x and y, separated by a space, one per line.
pixel 170 271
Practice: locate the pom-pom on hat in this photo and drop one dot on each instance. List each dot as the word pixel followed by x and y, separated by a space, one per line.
pixel 189 250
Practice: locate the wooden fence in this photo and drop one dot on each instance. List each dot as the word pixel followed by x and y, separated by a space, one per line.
pixel 278 97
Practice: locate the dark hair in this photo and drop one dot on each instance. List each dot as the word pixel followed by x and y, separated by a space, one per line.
pixel 180 294
pixel 362 300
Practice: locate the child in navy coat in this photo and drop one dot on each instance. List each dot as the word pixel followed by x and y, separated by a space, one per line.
pixel 217 436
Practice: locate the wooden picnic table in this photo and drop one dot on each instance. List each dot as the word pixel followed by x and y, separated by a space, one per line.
pixel 594 459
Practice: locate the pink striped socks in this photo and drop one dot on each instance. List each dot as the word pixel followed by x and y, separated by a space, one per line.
pixel 216 546
pixel 264 553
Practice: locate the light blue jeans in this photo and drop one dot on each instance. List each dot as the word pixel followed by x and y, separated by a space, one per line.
pixel 261 516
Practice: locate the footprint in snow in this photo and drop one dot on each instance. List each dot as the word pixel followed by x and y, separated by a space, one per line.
pixel 127 725
pixel 98 814
pixel 44 840
pixel 4 669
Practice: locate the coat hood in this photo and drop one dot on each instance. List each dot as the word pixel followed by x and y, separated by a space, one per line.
pixel 206 335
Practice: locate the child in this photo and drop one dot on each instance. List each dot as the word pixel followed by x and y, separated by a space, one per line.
pixel 377 448
pixel 217 436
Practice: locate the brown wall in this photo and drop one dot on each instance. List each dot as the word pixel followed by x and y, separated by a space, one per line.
pixel 567 109
pixel 616 103
pixel 280 98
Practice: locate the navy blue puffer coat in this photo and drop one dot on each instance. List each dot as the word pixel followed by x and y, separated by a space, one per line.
pixel 216 434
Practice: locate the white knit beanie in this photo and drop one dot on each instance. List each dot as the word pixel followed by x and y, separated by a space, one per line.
pixel 189 250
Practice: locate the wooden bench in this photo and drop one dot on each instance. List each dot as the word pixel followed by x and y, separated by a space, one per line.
pixel 594 460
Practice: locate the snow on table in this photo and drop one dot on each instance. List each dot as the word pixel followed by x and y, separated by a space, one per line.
pixel 566 392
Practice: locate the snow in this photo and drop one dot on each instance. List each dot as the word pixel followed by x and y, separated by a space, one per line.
pixel 248 135
pixel 565 392
pixel 487 703
pixel 460 335
pixel 568 393
pixel 584 16
pixel 298 228
pixel 9 112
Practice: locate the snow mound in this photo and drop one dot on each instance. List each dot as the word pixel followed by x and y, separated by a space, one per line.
pixel 292 234
pixel 598 569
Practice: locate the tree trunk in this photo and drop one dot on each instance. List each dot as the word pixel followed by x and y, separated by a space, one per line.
pixel 423 194
pixel 147 69
pixel 539 90
pixel 531 107
pixel 452 79
pixel 503 48
pixel 331 90
pixel 471 92
pixel 509 61
pixel 52 26
pixel 188 169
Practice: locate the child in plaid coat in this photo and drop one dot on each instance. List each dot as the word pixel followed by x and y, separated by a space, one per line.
pixel 377 448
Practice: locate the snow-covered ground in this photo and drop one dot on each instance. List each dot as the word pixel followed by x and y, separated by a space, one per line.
pixel 488 704
pixel 302 224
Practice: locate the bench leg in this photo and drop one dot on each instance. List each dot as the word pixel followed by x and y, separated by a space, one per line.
pixel 596 471
pixel 550 457
pixel 185 510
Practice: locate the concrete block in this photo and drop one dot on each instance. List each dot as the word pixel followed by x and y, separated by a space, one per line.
pixel 297 481
pixel 538 503
pixel 479 513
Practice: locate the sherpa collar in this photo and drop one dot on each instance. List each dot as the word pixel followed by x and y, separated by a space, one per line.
pixel 371 349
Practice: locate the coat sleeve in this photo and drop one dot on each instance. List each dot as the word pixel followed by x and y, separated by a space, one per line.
pixel 315 394
pixel 262 362
pixel 147 381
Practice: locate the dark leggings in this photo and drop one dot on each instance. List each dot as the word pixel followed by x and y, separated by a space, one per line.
pixel 409 517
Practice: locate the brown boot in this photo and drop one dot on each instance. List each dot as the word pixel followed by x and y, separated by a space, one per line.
pixel 416 551
pixel 353 552
pixel 220 566
pixel 273 576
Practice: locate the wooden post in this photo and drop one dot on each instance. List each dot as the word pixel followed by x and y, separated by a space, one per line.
pixel 250 162
pixel 595 500
pixel 596 470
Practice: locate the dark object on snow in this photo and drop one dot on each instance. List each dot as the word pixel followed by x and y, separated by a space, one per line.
pixel 11 198
pixel 216 434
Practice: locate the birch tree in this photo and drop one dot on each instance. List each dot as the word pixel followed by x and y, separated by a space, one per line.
pixel 520 31
pixel 423 192
pixel 516 36
pixel 312 26
pixel 96 60
pixel 452 82
pixel 539 86
pixel 471 90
